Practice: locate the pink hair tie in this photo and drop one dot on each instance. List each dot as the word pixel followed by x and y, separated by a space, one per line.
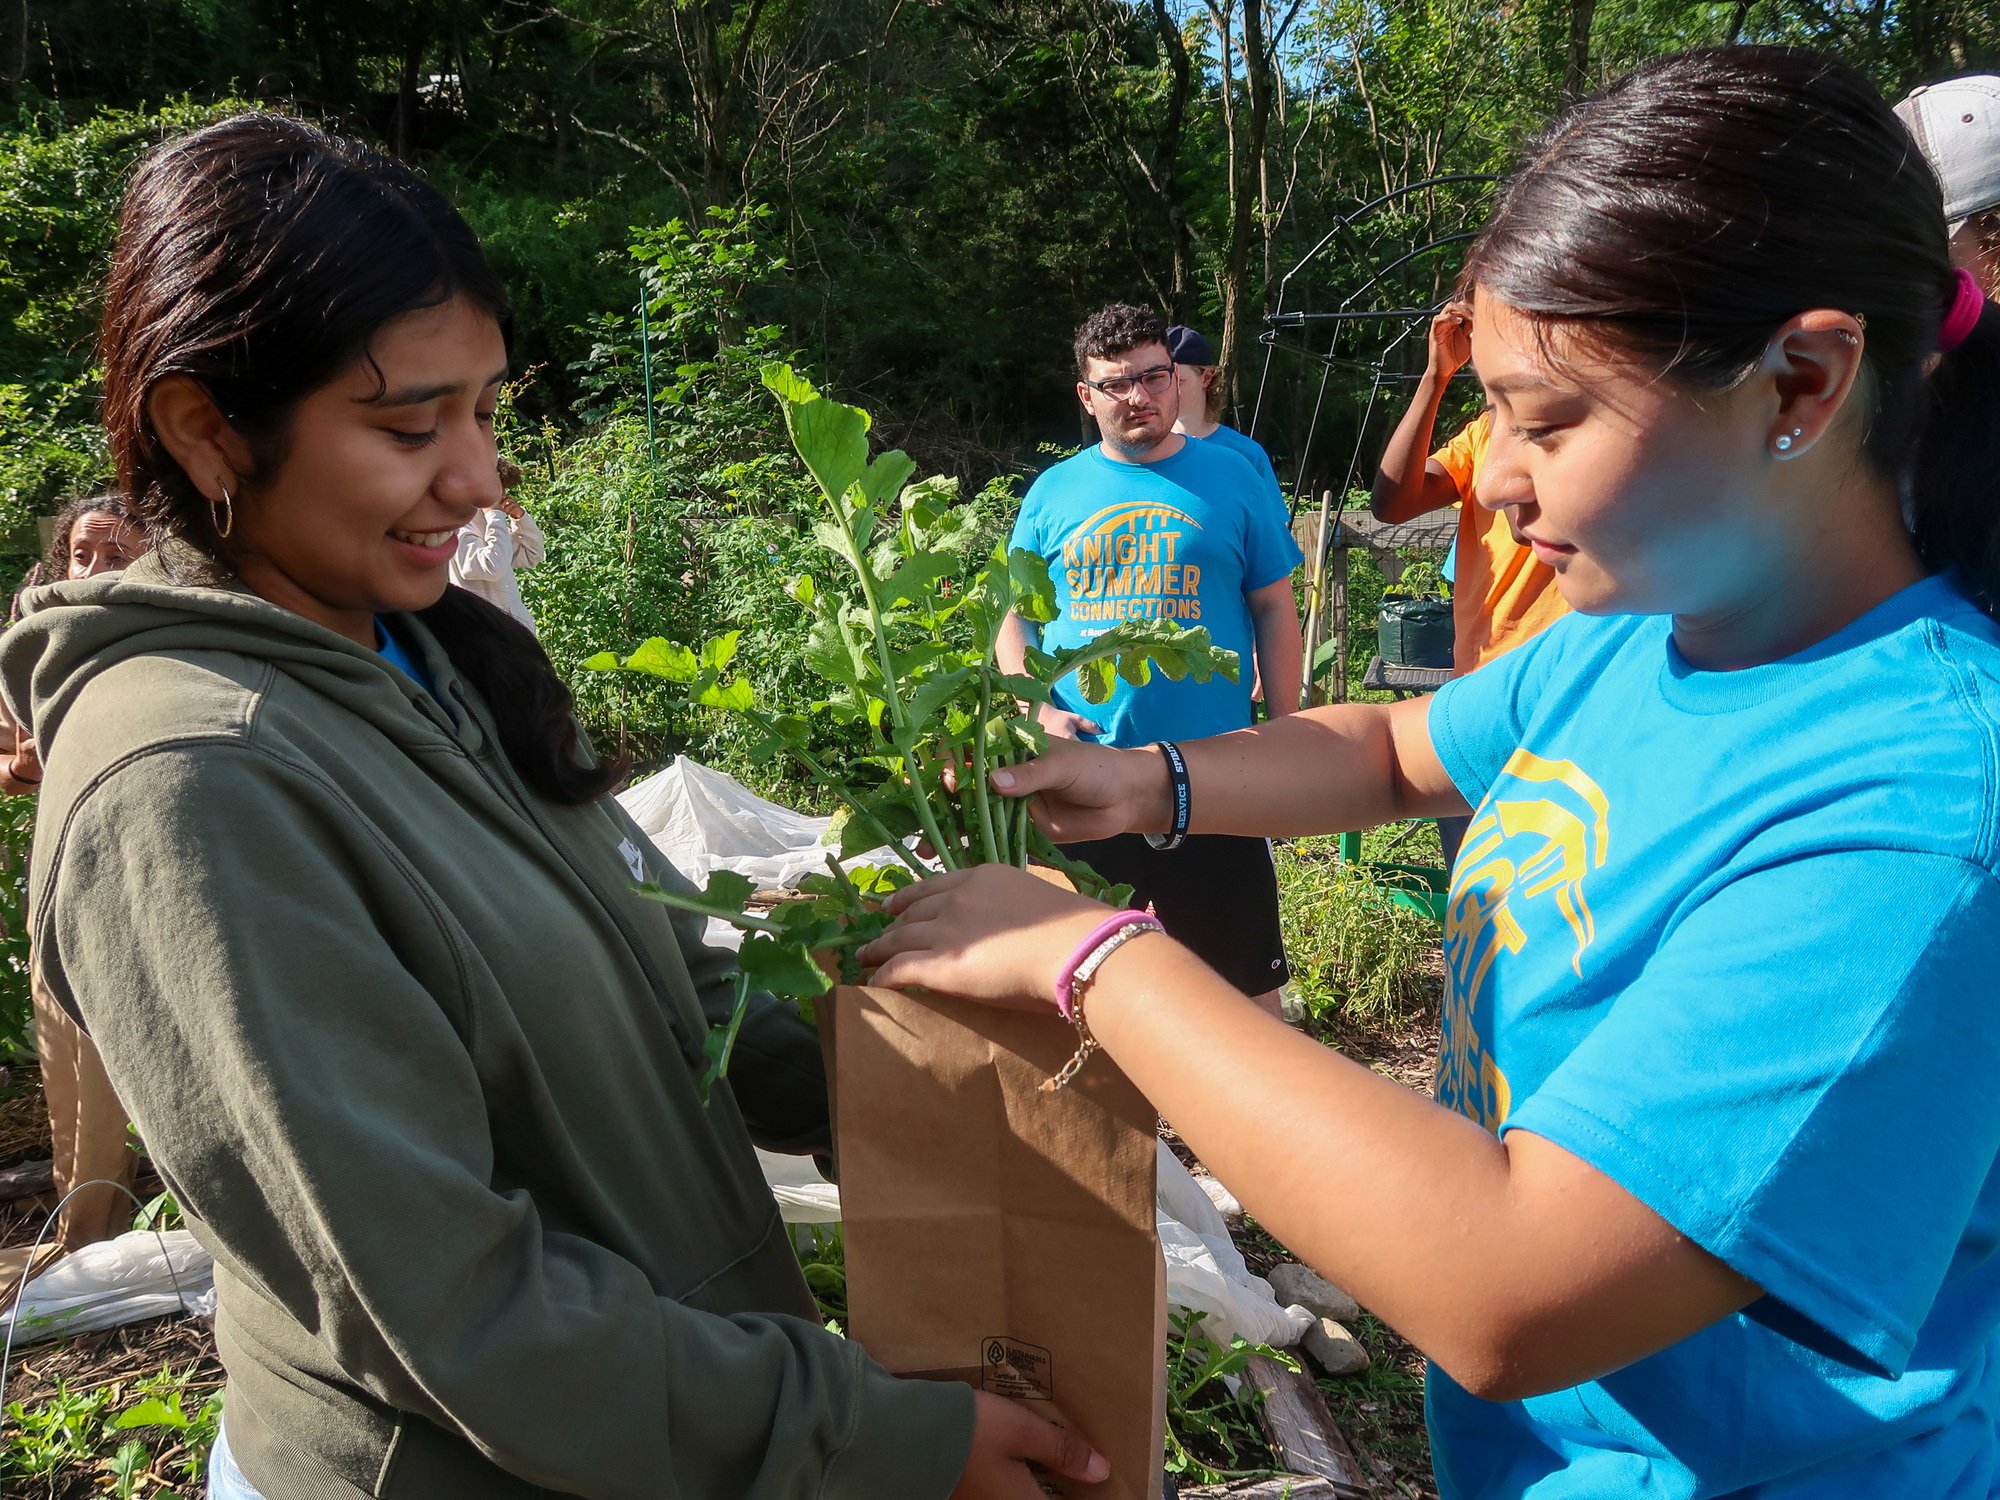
pixel 1967 303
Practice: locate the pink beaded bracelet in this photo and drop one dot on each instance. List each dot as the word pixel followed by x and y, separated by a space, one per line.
pixel 1103 932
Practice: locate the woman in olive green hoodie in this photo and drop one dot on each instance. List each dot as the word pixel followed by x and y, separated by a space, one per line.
pixel 325 868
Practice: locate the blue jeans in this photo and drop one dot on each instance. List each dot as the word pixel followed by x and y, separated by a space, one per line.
pixel 225 1480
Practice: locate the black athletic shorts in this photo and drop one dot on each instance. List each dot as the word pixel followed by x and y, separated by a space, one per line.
pixel 1217 893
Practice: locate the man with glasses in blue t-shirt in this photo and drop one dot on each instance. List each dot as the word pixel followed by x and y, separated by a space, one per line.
pixel 1150 523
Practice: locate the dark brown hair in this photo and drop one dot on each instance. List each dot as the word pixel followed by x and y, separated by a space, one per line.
pixel 1686 212
pixel 260 256
pixel 55 562
pixel 1112 331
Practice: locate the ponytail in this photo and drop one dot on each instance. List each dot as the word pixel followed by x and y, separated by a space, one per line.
pixel 1955 473
pixel 532 709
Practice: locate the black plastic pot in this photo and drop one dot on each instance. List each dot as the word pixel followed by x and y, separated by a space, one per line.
pixel 1414 632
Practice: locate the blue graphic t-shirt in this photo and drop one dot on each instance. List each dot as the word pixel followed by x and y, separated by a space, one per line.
pixel 1733 938
pixel 1184 539
pixel 1252 453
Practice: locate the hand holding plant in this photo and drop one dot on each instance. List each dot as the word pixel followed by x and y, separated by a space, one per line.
pixel 991 934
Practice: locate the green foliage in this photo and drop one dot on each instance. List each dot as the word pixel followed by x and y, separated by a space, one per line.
pixel 123 1433
pixel 904 638
pixel 823 1262
pixel 1212 1432
pixel 59 187
pixel 17 1010
pixel 1352 949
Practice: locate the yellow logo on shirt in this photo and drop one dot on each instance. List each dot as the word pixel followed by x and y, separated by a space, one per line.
pixel 1125 563
pixel 1543 827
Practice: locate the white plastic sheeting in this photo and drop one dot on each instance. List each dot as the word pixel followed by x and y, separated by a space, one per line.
pixel 704 821
pixel 140 1275
pixel 1205 1271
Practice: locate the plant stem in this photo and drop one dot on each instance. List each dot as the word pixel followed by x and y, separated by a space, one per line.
pixel 679 902
pixel 820 774
pixel 721 1066
pixel 982 794
pixel 913 770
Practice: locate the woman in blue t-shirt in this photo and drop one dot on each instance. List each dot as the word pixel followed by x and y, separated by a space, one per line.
pixel 1705 1206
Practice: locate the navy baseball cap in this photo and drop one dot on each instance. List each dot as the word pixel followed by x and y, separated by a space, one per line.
pixel 1188 347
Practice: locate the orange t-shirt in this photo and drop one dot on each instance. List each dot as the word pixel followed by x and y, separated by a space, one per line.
pixel 1502 595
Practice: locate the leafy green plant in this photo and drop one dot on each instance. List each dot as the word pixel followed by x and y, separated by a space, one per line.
pixel 1422 577
pixel 824 1266
pixel 902 637
pixel 163 1423
pixel 1352 948
pixel 1212 1432
pixel 17 1012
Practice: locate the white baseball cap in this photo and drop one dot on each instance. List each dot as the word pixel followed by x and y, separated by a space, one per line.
pixel 1957 126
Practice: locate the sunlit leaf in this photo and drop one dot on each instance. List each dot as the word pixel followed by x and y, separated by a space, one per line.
pixel 782 967
pixel 659 657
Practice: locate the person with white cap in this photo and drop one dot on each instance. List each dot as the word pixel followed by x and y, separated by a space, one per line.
pixel 1957 126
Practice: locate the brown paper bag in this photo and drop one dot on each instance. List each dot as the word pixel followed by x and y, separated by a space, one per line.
pixel 999 1235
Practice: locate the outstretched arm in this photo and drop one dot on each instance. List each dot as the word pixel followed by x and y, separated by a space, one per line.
pixel 1514 1264
pixel 1326 770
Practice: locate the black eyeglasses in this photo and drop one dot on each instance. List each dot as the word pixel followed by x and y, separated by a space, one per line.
pixel 1153 382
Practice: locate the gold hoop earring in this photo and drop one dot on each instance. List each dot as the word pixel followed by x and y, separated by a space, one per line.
pixel 223 512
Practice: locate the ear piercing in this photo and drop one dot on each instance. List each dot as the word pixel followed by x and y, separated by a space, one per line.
pixel 1786 439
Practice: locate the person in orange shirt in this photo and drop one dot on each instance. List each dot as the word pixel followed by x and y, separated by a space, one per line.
pixel 1501 596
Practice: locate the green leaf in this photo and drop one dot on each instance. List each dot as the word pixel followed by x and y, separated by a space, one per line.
pixel 603 661
pixel 152 1412
pixel 830 437
pixel 735 696
pixel 803 588
pixel 933 693
pixel 886 476
pixel 931 501
pixel 880 880
pixel 659 657
pixel 1034 591
pixel 913 579
pixel 1097 679
pixel 783 968
pixel 718 653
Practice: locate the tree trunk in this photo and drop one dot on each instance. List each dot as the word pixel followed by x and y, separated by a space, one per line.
pixel 407 101
pixel 1248 128
pixel 1180 237
pixel 1576 60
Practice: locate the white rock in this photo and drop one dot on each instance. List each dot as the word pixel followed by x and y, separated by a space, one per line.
pixel 1293 1282
pixel 1334 1349
pixel 1225 1201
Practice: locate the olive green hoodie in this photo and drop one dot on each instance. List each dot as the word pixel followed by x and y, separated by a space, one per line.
pixel 421 1069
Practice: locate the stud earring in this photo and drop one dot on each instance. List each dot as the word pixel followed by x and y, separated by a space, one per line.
pixel 1786 439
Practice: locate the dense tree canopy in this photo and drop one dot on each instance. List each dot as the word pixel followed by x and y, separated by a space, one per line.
pixel 950 184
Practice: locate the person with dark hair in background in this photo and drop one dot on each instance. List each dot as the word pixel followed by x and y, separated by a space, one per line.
pixel 89 1142
pixel 1151 524
pixel 1707 1200
pixel 1957 126
pixel 494 544
pixel 328 870
pixel 1502 594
